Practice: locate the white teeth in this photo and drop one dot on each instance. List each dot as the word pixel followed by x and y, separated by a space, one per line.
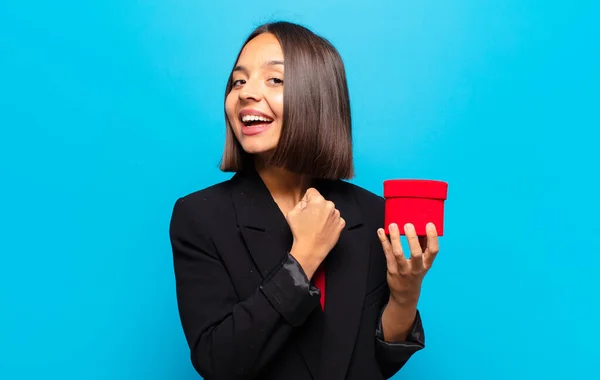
pixel 248 118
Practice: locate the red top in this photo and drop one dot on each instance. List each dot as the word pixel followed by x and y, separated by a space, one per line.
pixel 319 280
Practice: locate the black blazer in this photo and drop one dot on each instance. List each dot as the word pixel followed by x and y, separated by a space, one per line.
pixel 246 307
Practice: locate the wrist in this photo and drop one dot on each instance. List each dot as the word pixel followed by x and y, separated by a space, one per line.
pixel 302 255
pixel 404 300
pixel 397 321
pixel 404 307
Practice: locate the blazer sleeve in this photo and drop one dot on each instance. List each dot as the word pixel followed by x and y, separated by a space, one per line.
pixel 392 356
pixel 228 338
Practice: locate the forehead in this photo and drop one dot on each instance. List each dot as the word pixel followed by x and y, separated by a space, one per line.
pixel 263 48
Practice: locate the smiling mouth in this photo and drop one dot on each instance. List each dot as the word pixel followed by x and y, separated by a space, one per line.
pixel 253 120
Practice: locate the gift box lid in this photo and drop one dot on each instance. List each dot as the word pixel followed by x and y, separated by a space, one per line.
pixel 415 188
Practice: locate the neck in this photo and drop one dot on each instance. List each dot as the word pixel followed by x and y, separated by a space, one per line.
pixel 283 184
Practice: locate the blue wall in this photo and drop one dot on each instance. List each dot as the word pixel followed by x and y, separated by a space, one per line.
pixel 109 110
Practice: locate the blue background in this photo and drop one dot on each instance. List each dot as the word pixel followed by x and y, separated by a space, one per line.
pixel 111 110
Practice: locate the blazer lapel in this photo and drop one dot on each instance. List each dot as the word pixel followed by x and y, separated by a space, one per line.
pixel 326 340
pixel 346 281
pixel 268 239
pixel 263 227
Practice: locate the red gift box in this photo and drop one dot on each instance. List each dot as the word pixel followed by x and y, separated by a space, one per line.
pixel 416 201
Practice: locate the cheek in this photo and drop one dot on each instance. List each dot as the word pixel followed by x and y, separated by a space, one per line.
pixel 277 104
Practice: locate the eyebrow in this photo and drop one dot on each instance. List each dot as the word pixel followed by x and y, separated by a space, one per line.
pixel 269 63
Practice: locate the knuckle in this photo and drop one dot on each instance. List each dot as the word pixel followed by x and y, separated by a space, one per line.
pixel 401 273
pixel 312 193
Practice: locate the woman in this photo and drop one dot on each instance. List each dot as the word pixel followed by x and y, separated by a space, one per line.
pixel 283 271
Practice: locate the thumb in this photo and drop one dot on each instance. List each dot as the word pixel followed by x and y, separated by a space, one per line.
pixel 309 194
pixel 298 207
pixel 302 204
pixel 304 201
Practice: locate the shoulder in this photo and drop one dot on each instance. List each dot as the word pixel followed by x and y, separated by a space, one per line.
pixel 202 205
pixel 361 195
pixel 371 205
pixel 364 196
pixel 211 195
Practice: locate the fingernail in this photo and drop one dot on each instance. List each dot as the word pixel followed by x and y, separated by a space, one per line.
pixel 408 227
pixel 393 226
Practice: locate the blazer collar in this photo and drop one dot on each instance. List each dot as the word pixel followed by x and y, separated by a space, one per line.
pixel 255 207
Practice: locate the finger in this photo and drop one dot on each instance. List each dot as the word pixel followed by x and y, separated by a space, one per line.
pixel 342 223
pixel 302 204
pixel 335 218
pixel 312 195
pixel 306 194
pixel 392 264
pixel 397 246
pixel 416 255
pixel 329 205
pixel 432 244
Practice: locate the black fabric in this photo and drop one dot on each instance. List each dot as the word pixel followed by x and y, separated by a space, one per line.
pixel 248 311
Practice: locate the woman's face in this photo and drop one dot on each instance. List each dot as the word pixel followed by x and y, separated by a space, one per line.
pixel 254 106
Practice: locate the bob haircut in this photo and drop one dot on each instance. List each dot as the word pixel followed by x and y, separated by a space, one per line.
pixel 316 135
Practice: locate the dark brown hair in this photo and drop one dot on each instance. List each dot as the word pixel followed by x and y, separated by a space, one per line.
pixel 316 135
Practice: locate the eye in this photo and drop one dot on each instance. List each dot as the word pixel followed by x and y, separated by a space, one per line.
pixel 275 81
pixel 238 83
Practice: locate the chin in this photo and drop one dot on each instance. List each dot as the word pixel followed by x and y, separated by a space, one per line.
pixel 258 145
pixel 258 149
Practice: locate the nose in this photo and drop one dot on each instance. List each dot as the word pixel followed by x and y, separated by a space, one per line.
pixel 251 91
